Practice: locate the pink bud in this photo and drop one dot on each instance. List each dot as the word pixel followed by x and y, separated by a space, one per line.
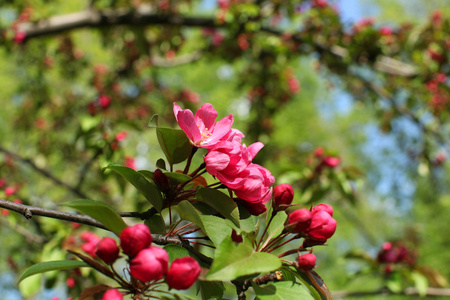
pixel 70 282
pixel 104 101
pixel 10 190
pixel 112 294
pixel 324 207
pixel 236 237
pixel 301 218
pixel 255 209
pixel 107 250
pixel 331 161
pixel 135 238
pixel 318 152
pixel 149 264
pixel 283 194
pixel 120 136
pixel 161 180
pixel 183 273
pixel 306 262
pixel 322 226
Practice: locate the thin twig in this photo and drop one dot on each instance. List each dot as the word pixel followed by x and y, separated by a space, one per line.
pixel 44 172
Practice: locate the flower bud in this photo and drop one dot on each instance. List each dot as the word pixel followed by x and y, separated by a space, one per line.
pixel 112 294
pixel 236 237
pixel 254 209
pixel 283 194
pixel 324 207
pixel 331 161
pixel 306 262
pixel 322 226
pixel 161 180
pixel 183 273
pixel 107 250
pixel 301 219
pixel 135 238
pixel 150 264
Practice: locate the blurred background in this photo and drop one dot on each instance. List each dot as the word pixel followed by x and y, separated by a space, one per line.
pixel 350 98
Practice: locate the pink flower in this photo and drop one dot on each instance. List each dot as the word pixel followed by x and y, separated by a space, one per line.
pixel 120 136
pixel 107 250
pixel 300 219
pixel 150 264
pixel 322 226
pixel 183 273
pixel 91 240
pixel 201 129
pixel 227 159
pixel 135 238
pixel 130 162
pixel 325 207
pixel 19 37
pixel 112 294
pixel 386 30
pixel 306 262
pixel 283 194
pixel 104 101
pixel 256 182
pixel 331 161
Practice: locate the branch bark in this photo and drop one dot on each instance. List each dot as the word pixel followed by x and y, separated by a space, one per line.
pixel 29 211
pixel 144 15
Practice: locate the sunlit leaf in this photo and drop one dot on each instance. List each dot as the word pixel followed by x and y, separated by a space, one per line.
pixel 232 261
pixel 221 203
pixel 47 266
pixel 282 290
pixel 100 211
pixel 174 143
pixel 148 189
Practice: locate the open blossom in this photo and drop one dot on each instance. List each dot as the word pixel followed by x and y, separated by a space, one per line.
pixel 256 184
pixel 201 129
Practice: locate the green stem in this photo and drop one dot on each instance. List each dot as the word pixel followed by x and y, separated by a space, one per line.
pixel 265 229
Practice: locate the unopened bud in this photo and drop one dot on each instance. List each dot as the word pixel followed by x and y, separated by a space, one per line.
pixel 161 180
pixel 283 195
pixel 306 262
pixel 107 250
pixel 135 238
pixel 183 273
pixel 300 219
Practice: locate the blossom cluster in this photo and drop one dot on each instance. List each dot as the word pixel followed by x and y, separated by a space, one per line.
pixel 148 264
pixel 395 253
pixel 228 159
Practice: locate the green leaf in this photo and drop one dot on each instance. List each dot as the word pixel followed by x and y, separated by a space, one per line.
pixel 282 290
pixel 160 163
pixel 210 289
pixel 221 203
pixel 148 189
pixel 314 283
pixel 420 282
pixel 153 123
pixel 176 177
pixel 277 224
pixel 233 261
pixel 89 122
pixel 175 252
pixel 100 211
pixel 174 143
pixel 214 227
pixel 156 224
pixel 394 282
pixel 57 265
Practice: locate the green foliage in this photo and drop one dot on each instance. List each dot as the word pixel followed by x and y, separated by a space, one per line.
pixel 234 261
pixel 100 211
pixel 51 266
pixel 148 189
pixel 174 143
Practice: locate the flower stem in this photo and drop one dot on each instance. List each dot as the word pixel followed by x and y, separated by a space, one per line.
pixel 265 230
pixel 189 160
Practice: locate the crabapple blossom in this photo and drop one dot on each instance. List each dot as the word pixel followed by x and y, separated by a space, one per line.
pixel 149 264
pixel 201 129
pixel 183 273
pixel 306 262
pixel 112 294
pixel 135 238
pixel 326 207
pixel 283 194
pixel 301 219
pixel 322 226
pixel 107 250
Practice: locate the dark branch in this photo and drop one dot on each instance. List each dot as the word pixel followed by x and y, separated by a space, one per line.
pixel 145 15
pixel 29 211
pixel 44 172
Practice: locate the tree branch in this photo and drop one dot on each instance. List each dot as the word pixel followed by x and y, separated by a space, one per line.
pixel 29 211
pixel 44 172
pixel 411 291
pixel 145 15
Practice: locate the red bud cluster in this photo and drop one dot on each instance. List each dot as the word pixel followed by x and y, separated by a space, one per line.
pixel 396 253
pixel 317 225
